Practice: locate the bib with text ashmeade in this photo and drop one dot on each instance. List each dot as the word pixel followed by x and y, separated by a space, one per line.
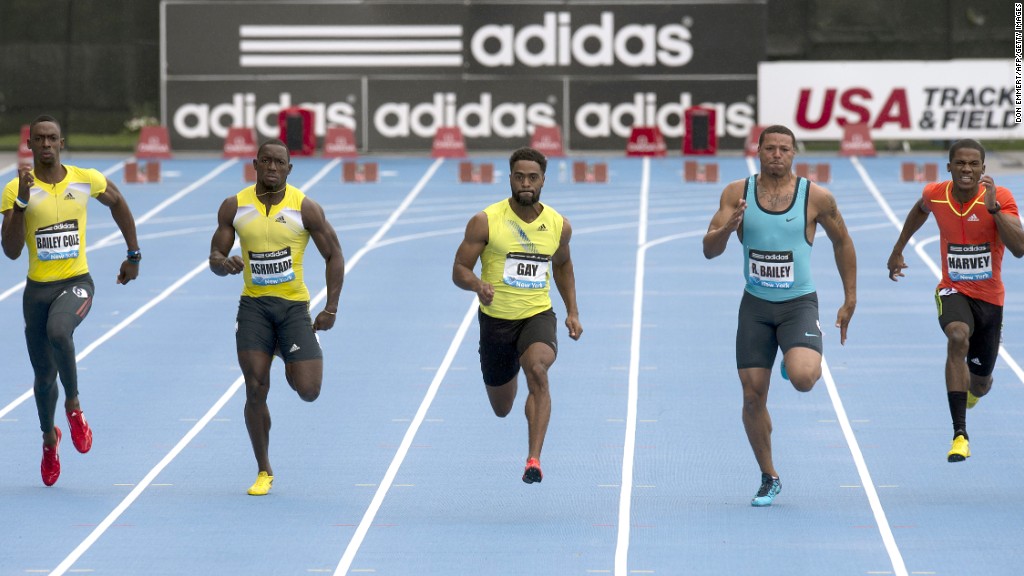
pixel 270 268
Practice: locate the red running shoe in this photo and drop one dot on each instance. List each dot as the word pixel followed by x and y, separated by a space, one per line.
pixel 532 473
pixel 50 468
pixel 81 434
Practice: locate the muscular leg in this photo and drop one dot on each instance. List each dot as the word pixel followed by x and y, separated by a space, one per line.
pixel 958 336
pixel 45 384
pixel 803 366
pixel 503 397
pixel 980 385
pixel 536 361
pixel 756 420
pixel 60 330
pixel 255 367
pixel 958 379
pixel 305 377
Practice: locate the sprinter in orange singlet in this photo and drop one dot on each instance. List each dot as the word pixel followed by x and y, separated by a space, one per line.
pixel 977 220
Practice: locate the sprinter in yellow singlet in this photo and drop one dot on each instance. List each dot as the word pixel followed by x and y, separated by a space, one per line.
pixel 522 245
pixel 274 222
pixel 45 209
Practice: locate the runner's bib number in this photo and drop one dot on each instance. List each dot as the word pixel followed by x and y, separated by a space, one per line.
pixel 771 269
pixel 524 270
pixel 58 242
pixel 270 268
pixel 969 261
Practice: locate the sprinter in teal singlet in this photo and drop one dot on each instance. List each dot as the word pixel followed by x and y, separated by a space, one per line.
pixel 522 246
pixel 775 214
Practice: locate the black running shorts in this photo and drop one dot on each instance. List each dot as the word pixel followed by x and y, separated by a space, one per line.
pixel 984 321
pixel 278 327
pixel 502 342
pixel 766 326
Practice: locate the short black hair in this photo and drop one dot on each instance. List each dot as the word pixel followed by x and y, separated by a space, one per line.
pixel 775 129
pixel 530 155
pixel 966 143
pixel 45 118
pixel 274 142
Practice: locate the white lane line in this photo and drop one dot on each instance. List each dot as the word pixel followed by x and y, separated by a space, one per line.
pixel 345 565
pixel 895 557
pixel 629 447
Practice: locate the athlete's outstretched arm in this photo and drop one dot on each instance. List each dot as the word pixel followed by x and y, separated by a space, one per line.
pixel 565 279
pixel 326 240
pixel 468 254
pixel 845 254
pixel 224 239
pixel 916 218
pixel 122 214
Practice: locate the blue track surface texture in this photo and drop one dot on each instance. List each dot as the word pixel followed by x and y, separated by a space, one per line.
pixel 401 468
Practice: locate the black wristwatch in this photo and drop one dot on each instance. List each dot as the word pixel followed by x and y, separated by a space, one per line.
pixel 998 208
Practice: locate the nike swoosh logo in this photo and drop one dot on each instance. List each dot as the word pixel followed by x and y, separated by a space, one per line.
pixel 790 219
pixel 809 335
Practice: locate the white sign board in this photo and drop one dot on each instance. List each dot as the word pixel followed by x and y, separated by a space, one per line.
pixel 898 100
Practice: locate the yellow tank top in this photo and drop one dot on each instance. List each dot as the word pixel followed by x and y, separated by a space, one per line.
pixel 55 222
pixel 273 245
pixel 517 260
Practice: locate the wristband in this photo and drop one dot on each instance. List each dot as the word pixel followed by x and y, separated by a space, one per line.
pixel 998 208
pixel 331 313
pixel 134 256
pixel 21 204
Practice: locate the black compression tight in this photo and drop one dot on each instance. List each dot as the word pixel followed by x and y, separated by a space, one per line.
pixel 52 312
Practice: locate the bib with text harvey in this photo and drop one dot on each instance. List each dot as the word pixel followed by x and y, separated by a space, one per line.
pixel 969 261
pixel 524 270
pixel 57 242
pixel 269 268
pixel 771 269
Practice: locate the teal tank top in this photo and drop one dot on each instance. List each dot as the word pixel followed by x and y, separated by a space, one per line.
pixel 776 253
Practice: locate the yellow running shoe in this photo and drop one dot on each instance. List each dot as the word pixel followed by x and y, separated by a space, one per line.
pixel 960 451
pixel 971 400
pixel 262 485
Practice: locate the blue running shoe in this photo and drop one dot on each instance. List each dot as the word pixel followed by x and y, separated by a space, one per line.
pixel 782 367
pixel 769 488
